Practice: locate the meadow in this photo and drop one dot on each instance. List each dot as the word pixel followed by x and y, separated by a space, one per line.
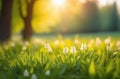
pixel 61 58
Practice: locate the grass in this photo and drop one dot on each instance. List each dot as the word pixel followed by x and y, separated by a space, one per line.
pixel 61 58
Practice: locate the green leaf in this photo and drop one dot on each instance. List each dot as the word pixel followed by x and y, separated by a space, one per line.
pixel 92 68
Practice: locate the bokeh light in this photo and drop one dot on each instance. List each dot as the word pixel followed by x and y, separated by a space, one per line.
pixel 58 3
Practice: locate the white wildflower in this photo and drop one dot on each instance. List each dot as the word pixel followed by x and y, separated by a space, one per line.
pixel 83 46
pixel 98 41
pixel 33 76
pixel 107 40
pixel 26 43
pixel 47 45
pixel 65 50
pixel 50 49
pixel 36 46
pixel 118 45
pixel 26 73
pixel 37 41
pixel 47 73
pixel 91 42
pixel 73 49
pixel 56 42
pixel 76 41
pixel 108 47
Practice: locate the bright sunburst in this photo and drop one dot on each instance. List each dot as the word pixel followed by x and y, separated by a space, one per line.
pixel 58 2
pixel 102 2
pixel 82 1
pixel 105 2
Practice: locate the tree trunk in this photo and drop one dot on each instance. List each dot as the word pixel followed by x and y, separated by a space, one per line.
pixel 27 31
pixel 5 20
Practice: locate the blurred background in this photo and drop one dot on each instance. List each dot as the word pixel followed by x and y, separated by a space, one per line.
pixel 29 17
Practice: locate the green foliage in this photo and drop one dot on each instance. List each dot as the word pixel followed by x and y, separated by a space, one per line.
pixel 44 16
pixel 17 23
pixel 99 59
pixel 76 17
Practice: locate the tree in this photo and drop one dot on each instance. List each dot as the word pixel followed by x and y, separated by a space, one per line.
pixel 90 17
pixel 5 20
pixel 27 32
pixel 114 26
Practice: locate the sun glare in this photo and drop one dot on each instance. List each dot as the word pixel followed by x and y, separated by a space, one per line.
pixel 58 2
pixel 102 2
pixel 105 2
pixel 82 1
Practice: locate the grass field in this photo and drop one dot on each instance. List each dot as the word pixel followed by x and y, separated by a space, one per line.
pixel 73 57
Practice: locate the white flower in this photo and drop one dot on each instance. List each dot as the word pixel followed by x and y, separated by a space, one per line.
pixel 33 76
pixel 91 42
pixel 37 41
pixel 56 42
pixel 108 47
pixel 47 73
pixel 47 45
pixel 26 73
pixel 107 40
pixel 98 41
pixel 65 50
pixel 118 45
pixel 83 46
pixel 25 46
pixel 26 43
pixel 73 49
pixel 76 41
pixel 36 46
pixel 50 49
